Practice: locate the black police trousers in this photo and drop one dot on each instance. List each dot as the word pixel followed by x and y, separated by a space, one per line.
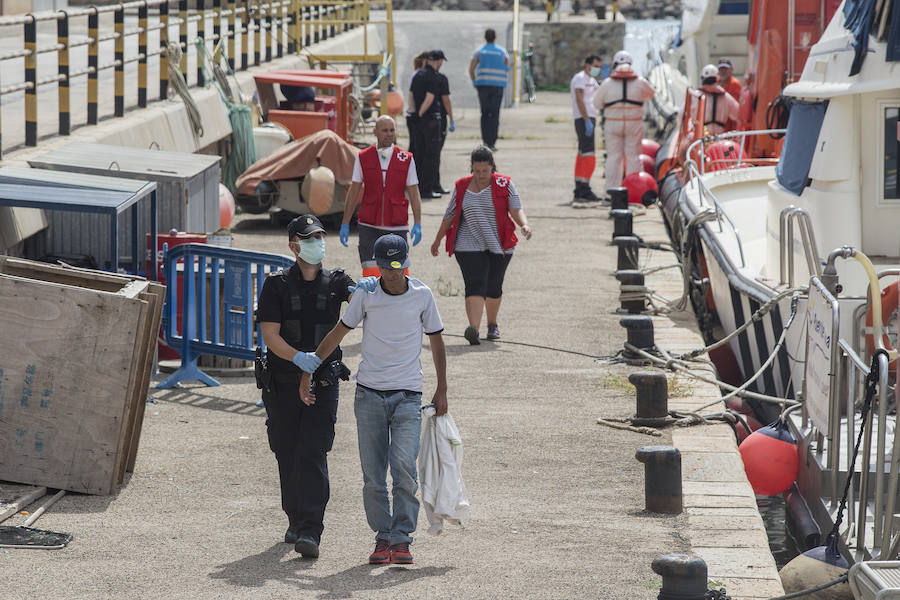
pixel 301 436
pixel 428 150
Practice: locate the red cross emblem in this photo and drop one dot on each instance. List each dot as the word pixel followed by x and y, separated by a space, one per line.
pixel 402 156
pixel 502 181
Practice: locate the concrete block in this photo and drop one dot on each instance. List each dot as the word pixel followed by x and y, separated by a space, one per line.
pixel 712 467
pixel 179 126
pixel 718 488
pixel 715 511
pixel 725 523
pixel 728 538
pixel 216 124
pixel 704 501
pixel 746 588
pixel 738 562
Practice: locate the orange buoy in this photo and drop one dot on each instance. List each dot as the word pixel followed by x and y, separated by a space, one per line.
pixel 226 206
pixel 649 147
pixel 642 188
pixel 394 103
pixel 770 459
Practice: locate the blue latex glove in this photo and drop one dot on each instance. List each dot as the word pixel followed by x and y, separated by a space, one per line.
pixel 345 234
pixel 416 233
pixel 589 128
pixel 366 284
pixel 452 126
pixel 307 361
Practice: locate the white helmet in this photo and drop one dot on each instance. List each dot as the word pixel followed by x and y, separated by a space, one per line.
pixel 622 57
pixel 709 71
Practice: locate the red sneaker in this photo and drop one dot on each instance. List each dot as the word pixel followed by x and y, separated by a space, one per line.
pixel 382 553
pixel 400 554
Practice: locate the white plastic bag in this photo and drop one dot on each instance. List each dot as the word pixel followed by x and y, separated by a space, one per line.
pixel 444 495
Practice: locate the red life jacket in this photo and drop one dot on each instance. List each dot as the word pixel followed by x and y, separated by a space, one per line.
pixel 506 227
pixel 384 203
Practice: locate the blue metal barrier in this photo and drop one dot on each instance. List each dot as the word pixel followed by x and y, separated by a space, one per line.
pixel 206 269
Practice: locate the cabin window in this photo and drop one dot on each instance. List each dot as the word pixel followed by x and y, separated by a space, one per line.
pixel 804 123
pixel 734 7
pixel 891 153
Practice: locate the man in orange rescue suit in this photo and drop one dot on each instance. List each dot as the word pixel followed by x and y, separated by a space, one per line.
pixel 621 97
pixel 387 176
pixel 721 113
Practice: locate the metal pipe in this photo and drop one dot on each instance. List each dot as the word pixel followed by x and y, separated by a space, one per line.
pixel 62 36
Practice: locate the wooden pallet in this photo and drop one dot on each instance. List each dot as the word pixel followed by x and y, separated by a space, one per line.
pixel 76 354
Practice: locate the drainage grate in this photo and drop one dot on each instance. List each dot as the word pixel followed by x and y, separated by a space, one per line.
pixel 26 537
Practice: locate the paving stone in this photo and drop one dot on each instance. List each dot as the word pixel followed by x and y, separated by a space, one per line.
pixel 717 488
pixel 705 501
pixel 743 588
pixel 729 538
pixel 705 466
pixel 739 563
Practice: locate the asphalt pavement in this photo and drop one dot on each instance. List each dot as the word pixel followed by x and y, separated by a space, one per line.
pixel 557 500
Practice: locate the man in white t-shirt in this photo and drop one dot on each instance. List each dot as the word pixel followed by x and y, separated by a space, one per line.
pixel 389 392
pixel 582 88
pixel 384 176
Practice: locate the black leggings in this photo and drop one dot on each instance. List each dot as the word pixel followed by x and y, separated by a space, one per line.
pixel 483 272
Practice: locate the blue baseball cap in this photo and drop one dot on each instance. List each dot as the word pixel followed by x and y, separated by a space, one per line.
pixel 391 252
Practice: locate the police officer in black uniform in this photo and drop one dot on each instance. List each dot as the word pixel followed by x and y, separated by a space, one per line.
pixel 426 91
pixel 297 307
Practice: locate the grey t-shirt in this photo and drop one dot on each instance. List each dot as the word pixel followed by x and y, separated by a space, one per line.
pixel 393 326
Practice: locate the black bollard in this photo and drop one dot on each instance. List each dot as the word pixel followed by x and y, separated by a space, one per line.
pixel 640 333
pixel 683 577
pixel 623 222
pixel 628 252
pixel 630 278
pixel 652 398
pixel 662 479
pixel 618 197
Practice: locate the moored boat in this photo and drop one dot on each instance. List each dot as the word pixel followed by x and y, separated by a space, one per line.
pixel 815 237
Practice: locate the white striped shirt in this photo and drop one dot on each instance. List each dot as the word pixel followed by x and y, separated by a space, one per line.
pixel 478 223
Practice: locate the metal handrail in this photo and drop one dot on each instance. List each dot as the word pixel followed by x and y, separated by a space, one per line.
pixel 720 212
pixel 786 251
pixel 278 24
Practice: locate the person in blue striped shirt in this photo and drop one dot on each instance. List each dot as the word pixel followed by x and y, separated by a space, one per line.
pixel 489 70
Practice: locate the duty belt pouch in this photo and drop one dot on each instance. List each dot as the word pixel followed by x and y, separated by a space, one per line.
pixel 261 370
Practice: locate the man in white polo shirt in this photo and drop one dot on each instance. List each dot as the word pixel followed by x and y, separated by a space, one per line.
pixel 389 392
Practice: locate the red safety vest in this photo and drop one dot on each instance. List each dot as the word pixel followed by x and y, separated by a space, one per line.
pixel 506 227
pixel 384 204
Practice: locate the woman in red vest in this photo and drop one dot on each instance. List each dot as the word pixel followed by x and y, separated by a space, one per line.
pixel 480 226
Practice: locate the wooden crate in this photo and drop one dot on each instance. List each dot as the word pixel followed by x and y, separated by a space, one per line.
pixel 75 361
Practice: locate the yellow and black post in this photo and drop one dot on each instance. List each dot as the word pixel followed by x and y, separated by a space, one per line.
pixel 62 61
pixel 294 39
pixel 231 34
pixel 257 32
pixel 143 10
pixel 217 30
pixel 93 64
pixel 201 33
pixel 182 37
pixel 163 46
pixel 281 19
pixel 317 23
pixel 119 79
pixel 31 129
pixel 245 41
pixel 268 6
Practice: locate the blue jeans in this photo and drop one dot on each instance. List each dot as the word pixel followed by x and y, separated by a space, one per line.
pixel 388 426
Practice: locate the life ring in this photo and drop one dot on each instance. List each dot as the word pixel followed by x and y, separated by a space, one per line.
pixel 889 303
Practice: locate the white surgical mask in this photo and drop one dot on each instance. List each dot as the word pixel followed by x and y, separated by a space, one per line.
pixel 312 250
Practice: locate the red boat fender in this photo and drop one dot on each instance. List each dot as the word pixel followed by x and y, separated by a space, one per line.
pixel 648 164
pixel 649 147
pixel 770 459
pixel 722 155
pixel 642 188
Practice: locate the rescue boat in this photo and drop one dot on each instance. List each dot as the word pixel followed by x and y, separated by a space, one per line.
pixel 794 261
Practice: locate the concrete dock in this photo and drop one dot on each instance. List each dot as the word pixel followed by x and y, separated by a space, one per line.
pixel 557 499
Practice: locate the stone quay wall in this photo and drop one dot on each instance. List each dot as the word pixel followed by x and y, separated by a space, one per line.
pixel 560 48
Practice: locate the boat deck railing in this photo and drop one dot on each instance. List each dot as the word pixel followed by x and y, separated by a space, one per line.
pixel 696 169
pixel 786 246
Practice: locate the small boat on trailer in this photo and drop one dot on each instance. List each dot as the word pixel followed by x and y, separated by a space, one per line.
pixel 815 234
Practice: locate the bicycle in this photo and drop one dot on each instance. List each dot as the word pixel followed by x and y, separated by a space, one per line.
pixel 529 77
